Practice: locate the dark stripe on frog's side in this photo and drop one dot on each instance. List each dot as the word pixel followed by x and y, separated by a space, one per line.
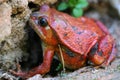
pixel 68 52
pixel 71 54
pixel 94 50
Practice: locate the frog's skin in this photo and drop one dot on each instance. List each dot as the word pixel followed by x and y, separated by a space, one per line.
pixel 77 39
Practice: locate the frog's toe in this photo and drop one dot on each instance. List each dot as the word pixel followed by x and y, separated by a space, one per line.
pixel 19 73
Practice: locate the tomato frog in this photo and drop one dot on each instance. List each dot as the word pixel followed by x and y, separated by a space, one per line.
pixel 74 40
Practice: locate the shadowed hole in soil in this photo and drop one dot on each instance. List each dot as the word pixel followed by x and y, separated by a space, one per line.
pixel 33 6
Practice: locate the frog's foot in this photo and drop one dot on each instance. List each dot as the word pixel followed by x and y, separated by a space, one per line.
pixel 19 71
pixel 41 69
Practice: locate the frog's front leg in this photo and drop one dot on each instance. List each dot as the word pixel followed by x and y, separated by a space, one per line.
pixel 41 69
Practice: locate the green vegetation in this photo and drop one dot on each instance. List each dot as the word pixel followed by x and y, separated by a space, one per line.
pixel 59 67
pixel 76 6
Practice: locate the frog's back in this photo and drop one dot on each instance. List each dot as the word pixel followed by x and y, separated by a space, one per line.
pixel 77 34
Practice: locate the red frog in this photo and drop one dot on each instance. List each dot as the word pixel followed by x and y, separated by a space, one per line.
pixel 74 40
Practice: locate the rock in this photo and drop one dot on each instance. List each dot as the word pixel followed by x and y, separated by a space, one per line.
pixel 8 59
pixel 14 46
pixel 5 21
pixel 18 6
pixel 12 33
pixel 1 1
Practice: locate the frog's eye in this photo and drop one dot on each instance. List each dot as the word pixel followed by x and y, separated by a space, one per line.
pixel 42 22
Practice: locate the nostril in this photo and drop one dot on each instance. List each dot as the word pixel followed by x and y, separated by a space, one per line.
pixel 33 17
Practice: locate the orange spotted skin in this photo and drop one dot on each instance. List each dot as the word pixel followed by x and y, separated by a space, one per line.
pixel 79 39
